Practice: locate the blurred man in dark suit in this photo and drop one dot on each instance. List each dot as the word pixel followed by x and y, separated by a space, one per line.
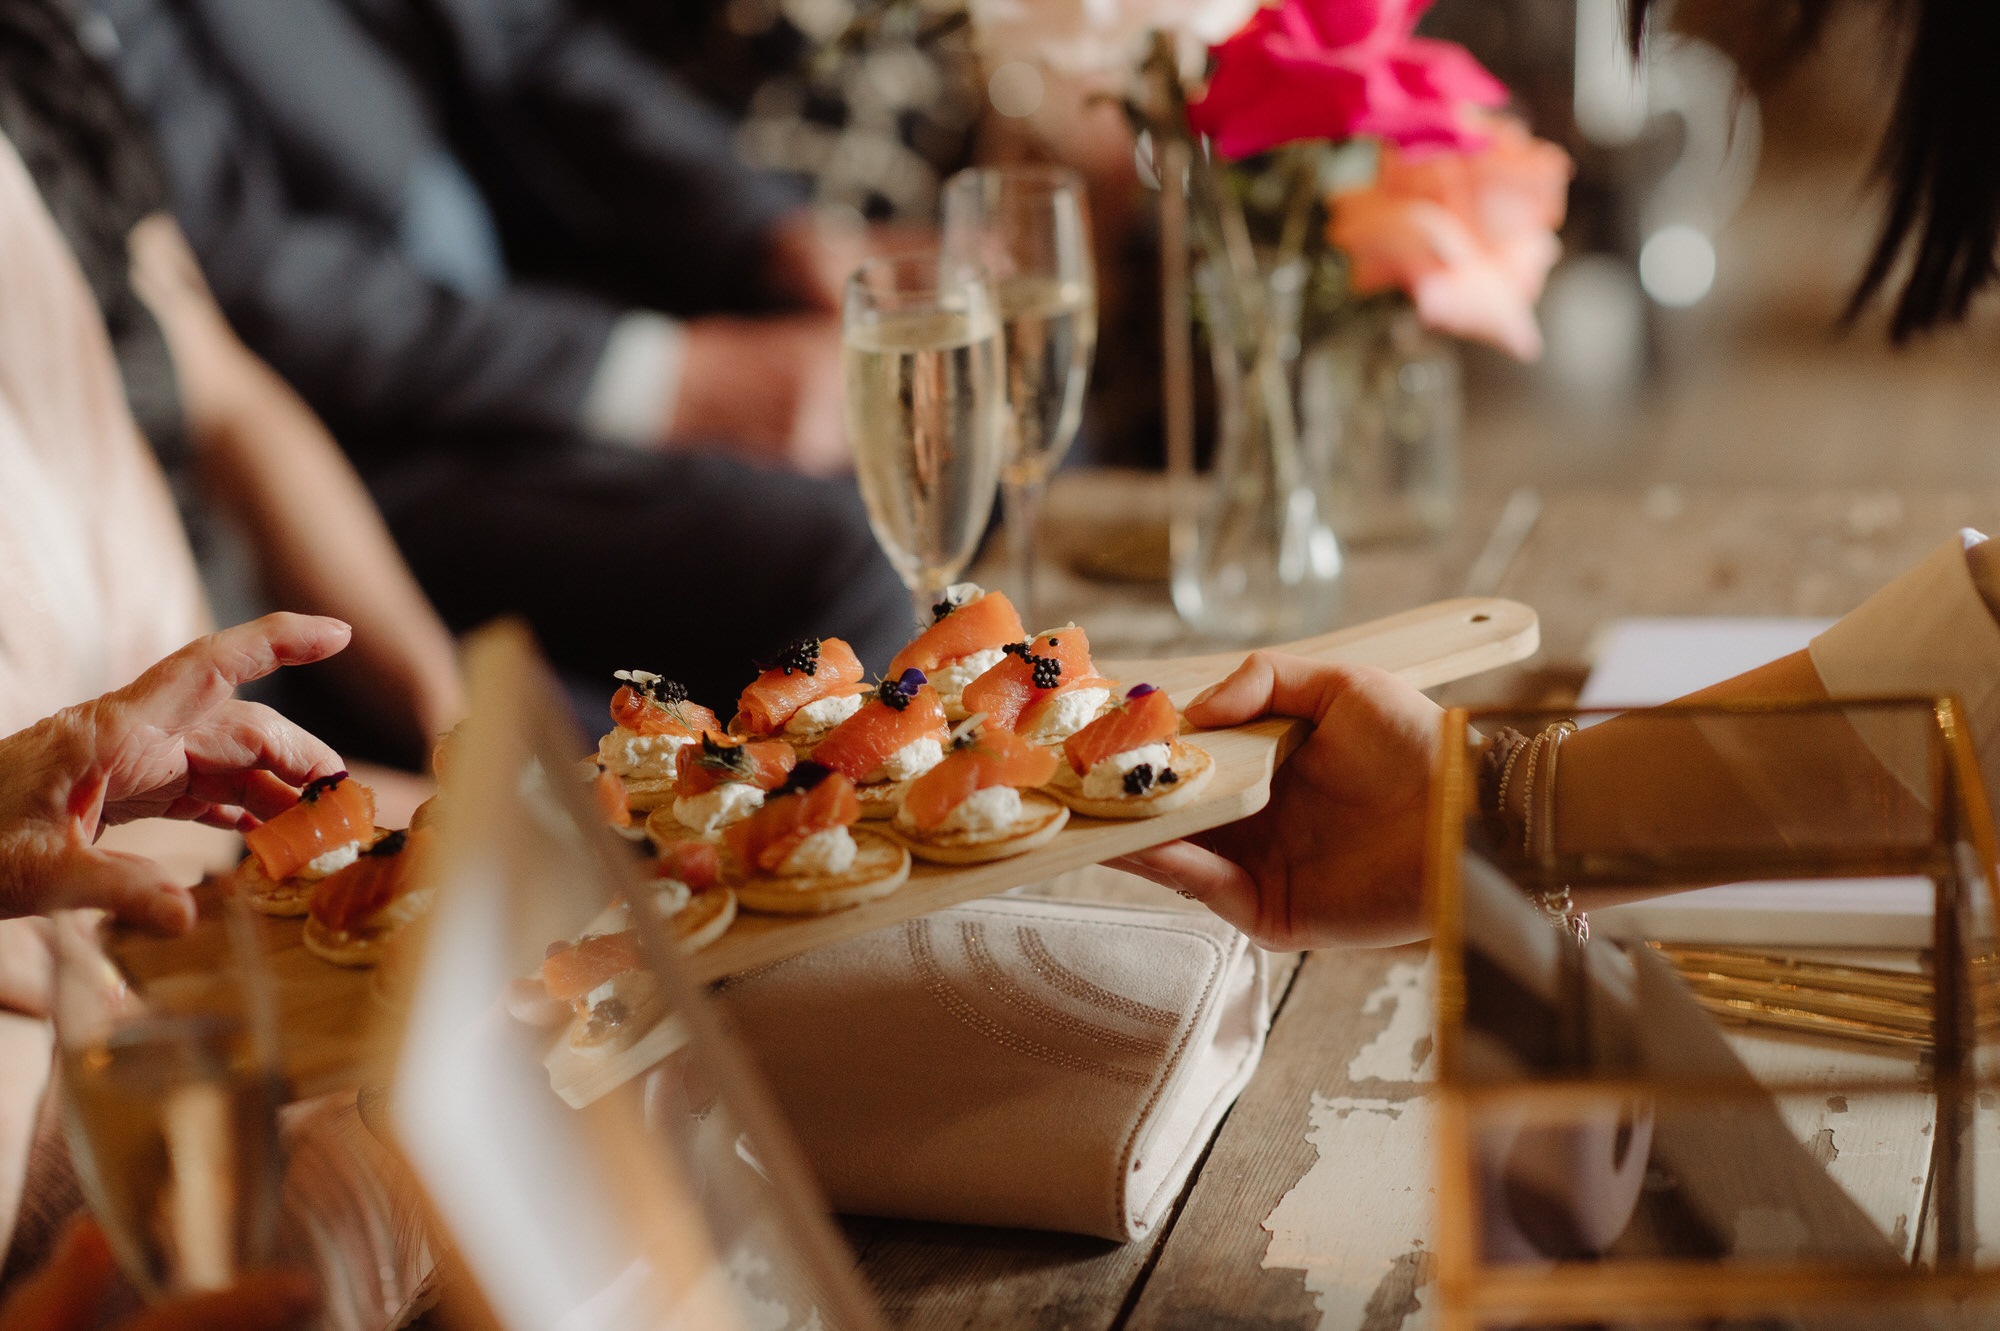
pixel 580 353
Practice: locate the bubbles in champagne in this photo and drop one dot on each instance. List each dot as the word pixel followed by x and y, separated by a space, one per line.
pixel 924 411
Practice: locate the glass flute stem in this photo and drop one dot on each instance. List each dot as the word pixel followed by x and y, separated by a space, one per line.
pixel 922 598
pixel 1024 508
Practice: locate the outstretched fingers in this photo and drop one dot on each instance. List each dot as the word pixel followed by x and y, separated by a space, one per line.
pixel 246 737
pixel 179 691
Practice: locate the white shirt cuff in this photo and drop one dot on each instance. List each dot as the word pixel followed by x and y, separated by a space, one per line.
pixel 631 397
pixel 1930 633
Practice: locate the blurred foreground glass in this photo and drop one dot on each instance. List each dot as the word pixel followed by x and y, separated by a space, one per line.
pixel 1608 1153
pixel 1028 226
pixel 926 411
pixel 171 1099
pixel 612 1167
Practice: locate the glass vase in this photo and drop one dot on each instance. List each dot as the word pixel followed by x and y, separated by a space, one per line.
pixel 1263 564
pixel 1380 411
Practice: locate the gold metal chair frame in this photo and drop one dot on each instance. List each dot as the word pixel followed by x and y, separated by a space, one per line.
pixel 1961 1005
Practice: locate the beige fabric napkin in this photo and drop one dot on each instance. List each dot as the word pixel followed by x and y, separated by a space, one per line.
pixel 1018 1061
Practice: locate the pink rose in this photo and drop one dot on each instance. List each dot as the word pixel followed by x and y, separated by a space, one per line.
pixel 1333 69
pixel 1470 236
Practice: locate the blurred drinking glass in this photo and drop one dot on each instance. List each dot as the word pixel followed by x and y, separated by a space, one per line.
pixel 925 410
pixel 171 1104
pixel 1028 226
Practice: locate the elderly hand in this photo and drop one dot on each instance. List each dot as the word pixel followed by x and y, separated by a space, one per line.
pixel 172 744
pixel 1335 858
pixel 65 1294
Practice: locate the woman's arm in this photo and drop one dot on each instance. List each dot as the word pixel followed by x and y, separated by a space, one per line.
pixel 325 548
pixel 1336 857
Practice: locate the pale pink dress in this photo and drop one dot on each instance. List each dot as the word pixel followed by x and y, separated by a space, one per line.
pixel 96 579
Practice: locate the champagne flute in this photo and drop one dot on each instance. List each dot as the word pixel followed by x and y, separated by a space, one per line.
pixel 171 1103
pixel 920 347
pixel 1029 227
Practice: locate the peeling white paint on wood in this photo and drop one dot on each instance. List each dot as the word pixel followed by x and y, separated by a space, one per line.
pixel 1361 1213
pixel 1405 1051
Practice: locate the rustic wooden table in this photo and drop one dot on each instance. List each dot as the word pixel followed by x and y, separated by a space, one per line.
pixel 1311 1209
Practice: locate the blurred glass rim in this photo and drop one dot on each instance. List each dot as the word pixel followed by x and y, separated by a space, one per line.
pixel 930 277
pixel 1036 180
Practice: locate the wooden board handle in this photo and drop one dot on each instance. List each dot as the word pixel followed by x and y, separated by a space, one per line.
pixel 1433 644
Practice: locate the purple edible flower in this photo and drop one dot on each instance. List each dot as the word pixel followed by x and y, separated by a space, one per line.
pixel 911 680
pixel 1139 691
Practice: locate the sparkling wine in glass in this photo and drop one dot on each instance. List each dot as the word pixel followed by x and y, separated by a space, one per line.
pixel 1028 226
pixel 926 412
pixel 171 1106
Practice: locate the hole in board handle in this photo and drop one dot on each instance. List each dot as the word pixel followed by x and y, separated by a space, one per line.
pixel 1481 619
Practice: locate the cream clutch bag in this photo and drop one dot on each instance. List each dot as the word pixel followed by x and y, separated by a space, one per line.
pixel 1017 1061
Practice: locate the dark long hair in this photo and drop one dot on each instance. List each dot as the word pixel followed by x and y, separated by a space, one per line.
pixel 1939 158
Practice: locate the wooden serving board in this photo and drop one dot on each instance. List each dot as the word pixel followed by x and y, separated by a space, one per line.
pixel 328 1012
pixel 1432 645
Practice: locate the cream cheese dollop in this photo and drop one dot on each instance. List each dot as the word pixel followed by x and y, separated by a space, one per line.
pixel 640 757
pixel 823 714
pixel 830 850
pixel 333 861
pixel 951 677
pixel 994 809
pixel 715 809
pixel 913 759
pixel 1106 779
pixel 1067 715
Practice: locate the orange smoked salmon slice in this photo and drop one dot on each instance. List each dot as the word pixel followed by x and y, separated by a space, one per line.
pixel 995 758
pixel 988 622
pixel 332 812
pixel 668 714
pixel 350 898
pixel 608 788
pixel 864 741
pixel 700 768
pixel 762 841
pixel 806 672
pixel 1006 690
pixel 1146 719
pixel 695 863
pixel 576 970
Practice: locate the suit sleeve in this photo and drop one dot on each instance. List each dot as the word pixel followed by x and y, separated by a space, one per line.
pixel 642 168
pixel 376 346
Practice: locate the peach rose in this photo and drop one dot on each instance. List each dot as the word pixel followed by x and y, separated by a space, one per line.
pixel 1469 236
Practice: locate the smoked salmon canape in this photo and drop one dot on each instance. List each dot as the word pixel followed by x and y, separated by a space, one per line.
pixel 801 853
pixel 898 735
pixel 598 983
pixel 813 687
pixel 333 822
pixel 1131 762
pixel 969 628
pixel 720 781
pixel 1045 690
pixel 652 721
pixel 353 913
pixel 980 803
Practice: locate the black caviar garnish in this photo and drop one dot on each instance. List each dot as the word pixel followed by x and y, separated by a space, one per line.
pixel 606 1016
pixel 392 844
pixel 802 658
pixel 1168 776
pixel 1139 780
pixel 941 609
pixel 730 758
pixel 668 691
pixel 802 778
pixel 1045 671
pixel 896 693
pixel 314 789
